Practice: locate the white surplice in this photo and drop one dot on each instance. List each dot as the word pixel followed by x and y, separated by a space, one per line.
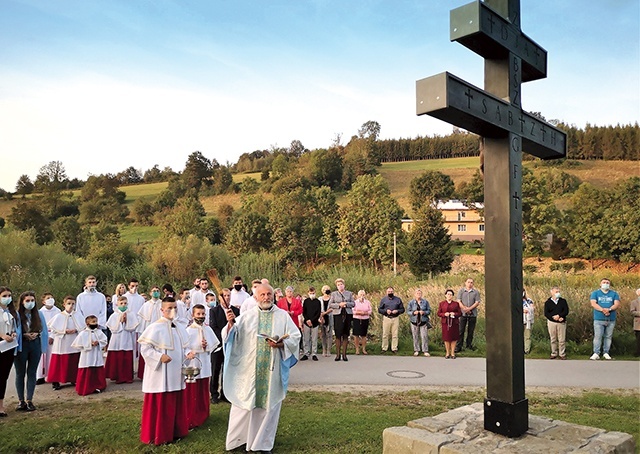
pixel 58 327
pixel 182 317
pixel 135 301
pixel 45 359
pixel 92 303
pixel 90 355
pixel 249 422
pixel 248 304
pixel 161 338
pixel 122 333
pixel 149 313
pixel 196 334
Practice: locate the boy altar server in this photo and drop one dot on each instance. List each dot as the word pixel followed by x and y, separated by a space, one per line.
pixel 64 328
pixel 122 323
pixel 90 341
pixel 259 348
pixel 164 347
pixel 148 313
pixel 202 341
pixel 49 310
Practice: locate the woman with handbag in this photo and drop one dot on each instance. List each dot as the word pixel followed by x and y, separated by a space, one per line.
pixel 419 311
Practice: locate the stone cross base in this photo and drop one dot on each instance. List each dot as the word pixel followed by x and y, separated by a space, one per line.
pixel 462 431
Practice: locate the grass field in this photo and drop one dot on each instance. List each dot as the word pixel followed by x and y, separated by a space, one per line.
pixel 310 422
pixel 137 191
pixel 139 233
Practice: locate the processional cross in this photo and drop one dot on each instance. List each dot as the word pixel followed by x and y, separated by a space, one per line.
pixel 492 30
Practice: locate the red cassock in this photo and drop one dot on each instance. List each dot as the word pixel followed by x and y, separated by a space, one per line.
pixel 63 368
pixel 140 367
pixel 197 397
pixel 90 379
pixel 119 366
pixel 164 417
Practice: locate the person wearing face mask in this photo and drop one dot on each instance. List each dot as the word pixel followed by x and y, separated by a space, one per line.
pixel 252 302
pixel 556 310
pixel 605 303
pixel 91 341
pixel 202 342
pixel 238 293
pixel 164 347
pixel 64 358
pixel 49 310
pixel 92 302
pixel 326 321
pixel 32 340
pixel 261 346
pixel 148 314
pixel 342 304
pixel 122 324
pixel 390 307
pixel 311 310
pixel 8 342
pixel 200 296
pixel 528 309
pixel 183 308
pixel 217 321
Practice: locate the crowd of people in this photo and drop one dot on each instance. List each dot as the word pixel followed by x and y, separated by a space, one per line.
pixel 257 333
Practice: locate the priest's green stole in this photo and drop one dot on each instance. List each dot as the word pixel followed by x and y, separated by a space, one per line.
pixel 263 360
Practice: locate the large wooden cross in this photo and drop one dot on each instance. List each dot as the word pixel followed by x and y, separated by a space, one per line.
pixel 492 30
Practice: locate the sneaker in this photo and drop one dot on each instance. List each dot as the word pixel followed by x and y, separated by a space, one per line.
pixel 56 386
pixel 563 358
pixel 22 406
pixel 30 406
pixel 606 356
pixel 416 353
pixel 314 357
pixel 427 354
pixel 595 357
pixel 394 351
pixel 304 358
pixel 40 381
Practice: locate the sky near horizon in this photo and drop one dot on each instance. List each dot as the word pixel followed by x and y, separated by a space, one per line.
pixel 101 86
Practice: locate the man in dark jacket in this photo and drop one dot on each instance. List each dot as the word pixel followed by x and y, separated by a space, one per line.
pixel 390 307
pixel 556 310
pixel 217 321
pixel 311 311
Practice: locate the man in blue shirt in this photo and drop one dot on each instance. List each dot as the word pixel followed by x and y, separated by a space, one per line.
pixel 604 302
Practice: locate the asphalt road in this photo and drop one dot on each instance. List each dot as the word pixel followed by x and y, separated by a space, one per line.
pixel 420 371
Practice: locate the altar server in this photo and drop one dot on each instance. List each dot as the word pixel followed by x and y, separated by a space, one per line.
pixel 202 341
pixel 48 310
pixel 91 342
pixel 64 328
pixel 164 348
pixel 122 323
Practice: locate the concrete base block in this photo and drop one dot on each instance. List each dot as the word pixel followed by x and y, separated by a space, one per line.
pixel 461 431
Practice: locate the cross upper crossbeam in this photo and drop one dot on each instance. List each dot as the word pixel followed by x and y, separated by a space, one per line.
pixel 480 29
pixel 451 99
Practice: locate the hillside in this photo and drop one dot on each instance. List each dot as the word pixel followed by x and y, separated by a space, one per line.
pixel 397 174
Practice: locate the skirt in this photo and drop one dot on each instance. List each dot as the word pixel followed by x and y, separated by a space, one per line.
pixel 90 380
pixel 360 326
pixel 119 366
pixel 342 327
pixel 63 368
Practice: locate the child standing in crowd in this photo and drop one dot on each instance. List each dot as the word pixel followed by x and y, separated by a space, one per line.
pixel 122 324
pixel 90 342
pixel 8 343
pixel 32 340
pixel 64 327
pixel 202 341
pixel 48 310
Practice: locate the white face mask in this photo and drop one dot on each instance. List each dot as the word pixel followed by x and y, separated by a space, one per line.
pixel 604 286
pixel 49 302
pixel 557 295
pixel 312 295
pixel 172 314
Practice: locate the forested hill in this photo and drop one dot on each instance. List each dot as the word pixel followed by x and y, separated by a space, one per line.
pixel 592 142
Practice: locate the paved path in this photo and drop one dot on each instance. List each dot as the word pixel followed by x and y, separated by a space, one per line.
pixel 421 371
pixel 362 373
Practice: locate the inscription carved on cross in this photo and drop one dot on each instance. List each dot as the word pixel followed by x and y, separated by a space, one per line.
pixel 492 30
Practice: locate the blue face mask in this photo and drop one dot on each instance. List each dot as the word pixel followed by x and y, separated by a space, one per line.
pixel 5 300
pixel 212 304
pixel 29 305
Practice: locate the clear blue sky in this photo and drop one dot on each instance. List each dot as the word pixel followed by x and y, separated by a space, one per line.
pixel 104 85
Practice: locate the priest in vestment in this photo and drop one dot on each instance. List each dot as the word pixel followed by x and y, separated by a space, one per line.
pixel 163 345
pixel 260 347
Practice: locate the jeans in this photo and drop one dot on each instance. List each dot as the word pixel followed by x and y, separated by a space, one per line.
pixel 600 328
pixel 310 340
pixel 464 322
pixel 326 335
pixel 27 361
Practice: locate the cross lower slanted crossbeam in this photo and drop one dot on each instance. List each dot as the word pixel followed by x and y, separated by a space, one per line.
pixel 455 101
